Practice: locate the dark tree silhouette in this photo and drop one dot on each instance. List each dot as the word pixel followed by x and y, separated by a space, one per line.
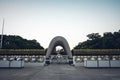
pixel 95 41
pixel 17 42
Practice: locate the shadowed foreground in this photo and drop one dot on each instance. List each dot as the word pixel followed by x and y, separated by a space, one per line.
pixel 59 72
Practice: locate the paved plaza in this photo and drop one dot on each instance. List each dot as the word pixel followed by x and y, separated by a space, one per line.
pixel 59 72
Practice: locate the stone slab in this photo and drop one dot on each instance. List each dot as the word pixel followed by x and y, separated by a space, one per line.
pixel 103 63
pixel 114 63
pixel 4 63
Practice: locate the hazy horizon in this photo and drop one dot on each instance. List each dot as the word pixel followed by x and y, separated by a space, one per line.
pixel 73 19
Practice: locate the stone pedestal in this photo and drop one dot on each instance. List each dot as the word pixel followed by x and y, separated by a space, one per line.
pixel 47 61
pixel 70 61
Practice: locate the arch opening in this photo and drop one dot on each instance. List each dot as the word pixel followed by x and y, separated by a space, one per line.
pixel 59 41
pixel 58 56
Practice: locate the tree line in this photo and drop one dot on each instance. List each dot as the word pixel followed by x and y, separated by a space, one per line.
pixel 17 42
pixel 109 40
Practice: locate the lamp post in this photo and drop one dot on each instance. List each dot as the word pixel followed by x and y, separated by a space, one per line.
pixel 2 35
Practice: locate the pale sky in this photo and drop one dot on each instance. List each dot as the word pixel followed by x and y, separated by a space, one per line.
pixel 73 19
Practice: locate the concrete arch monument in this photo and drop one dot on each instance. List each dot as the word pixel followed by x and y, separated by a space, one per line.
pixel 59 41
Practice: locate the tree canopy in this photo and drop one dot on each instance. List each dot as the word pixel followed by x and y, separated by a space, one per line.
pixel 109 40
pixel 17 42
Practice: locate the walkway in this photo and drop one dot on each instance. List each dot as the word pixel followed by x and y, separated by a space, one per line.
pixel 59 72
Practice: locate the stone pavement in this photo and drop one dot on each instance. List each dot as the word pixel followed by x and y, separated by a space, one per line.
pixel 59 72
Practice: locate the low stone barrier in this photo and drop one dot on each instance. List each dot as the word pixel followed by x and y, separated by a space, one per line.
pixel 4 64
pixel 17 64
pixel 102 63
pixel 34 64
pixel 115 63
pixel 90 63
pixel 12 64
